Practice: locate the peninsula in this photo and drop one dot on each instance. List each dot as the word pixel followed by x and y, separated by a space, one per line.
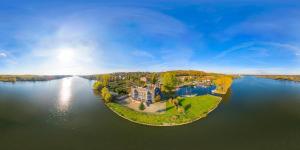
pixel 162 98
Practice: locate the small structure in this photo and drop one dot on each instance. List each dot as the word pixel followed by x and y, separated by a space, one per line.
pixel 144 79
pixel 145 94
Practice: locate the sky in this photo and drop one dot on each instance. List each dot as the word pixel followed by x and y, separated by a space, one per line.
pixel 89 36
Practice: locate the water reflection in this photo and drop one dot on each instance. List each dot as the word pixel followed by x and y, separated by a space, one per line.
pixel 65 94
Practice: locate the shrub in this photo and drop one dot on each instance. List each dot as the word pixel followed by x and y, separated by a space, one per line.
pixel 142 106
pixel 157 98
pixel 180 109
pixel 175 102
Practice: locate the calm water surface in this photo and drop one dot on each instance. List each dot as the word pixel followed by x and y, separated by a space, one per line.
pixel 195 90
pixel 258 114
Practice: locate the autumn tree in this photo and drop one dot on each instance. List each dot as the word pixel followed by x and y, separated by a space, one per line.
pixel 223 84
pixel 105 79
pixel 102 81
pixel 106 95
pixel 98 85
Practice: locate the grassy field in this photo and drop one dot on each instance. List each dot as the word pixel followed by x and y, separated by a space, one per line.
pixel 195 108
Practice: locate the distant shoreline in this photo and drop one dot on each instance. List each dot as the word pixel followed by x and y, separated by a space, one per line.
pixel 295 78
pixel 30 78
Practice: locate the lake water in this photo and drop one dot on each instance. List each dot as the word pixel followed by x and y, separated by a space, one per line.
pixel 195 90
pixel 260 114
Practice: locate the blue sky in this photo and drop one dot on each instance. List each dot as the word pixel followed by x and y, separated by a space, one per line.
pixel 86 37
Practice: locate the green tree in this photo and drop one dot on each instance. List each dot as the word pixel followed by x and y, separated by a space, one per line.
pixel 154 78
pixel 106 95
pixel 169 81
pixel 142 106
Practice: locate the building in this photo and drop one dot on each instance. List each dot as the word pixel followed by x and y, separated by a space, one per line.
pixel 145 94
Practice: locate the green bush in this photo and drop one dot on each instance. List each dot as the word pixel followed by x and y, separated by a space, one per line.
pixel 142 106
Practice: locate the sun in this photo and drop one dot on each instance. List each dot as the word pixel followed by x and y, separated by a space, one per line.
pixel 65 55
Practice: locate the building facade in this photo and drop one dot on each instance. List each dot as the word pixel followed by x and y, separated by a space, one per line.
pixel 145 94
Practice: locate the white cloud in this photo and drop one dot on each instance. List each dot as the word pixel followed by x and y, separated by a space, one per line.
pixel 3 55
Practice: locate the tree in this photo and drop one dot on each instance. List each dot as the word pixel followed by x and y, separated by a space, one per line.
pixel 142 106
pixel 154 78
pixel 157 98
pixel 104 79
pixel 169 81
pixel 223 84
pixel 106 95
pixel 98 85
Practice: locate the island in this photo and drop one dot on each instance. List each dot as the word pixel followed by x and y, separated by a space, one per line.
pixel 15 78
pixel 168 98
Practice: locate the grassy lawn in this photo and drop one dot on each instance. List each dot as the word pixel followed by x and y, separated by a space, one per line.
pixel 195 108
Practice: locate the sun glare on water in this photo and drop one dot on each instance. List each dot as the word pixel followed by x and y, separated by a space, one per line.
pixel 65 94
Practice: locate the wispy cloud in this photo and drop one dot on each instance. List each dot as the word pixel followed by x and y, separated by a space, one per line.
pixel 262 46
pixel 233 49
pixel 3 55
pixel 140 53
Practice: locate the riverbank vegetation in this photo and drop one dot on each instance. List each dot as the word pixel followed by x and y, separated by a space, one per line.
pixel 222 84
pixel 187 110
pixel 282 77
pixel 14 78
pixel 106 95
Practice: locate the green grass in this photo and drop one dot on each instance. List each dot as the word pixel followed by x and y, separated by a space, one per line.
pixel 195 108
